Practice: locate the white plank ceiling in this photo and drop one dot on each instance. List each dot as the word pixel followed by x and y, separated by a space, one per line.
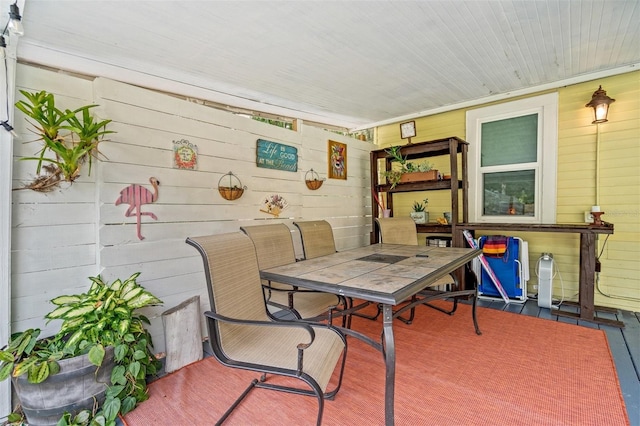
pixel 347 63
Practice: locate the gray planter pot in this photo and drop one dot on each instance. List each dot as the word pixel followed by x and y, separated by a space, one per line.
pixel 420 217
pixel 75 388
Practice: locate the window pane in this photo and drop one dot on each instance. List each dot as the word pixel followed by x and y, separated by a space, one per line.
pixel 509 193
pixel 510 141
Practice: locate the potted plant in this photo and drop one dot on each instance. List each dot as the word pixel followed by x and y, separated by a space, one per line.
pixel 99 331
pixel 420 214
pixel 69 150
pixel 408 171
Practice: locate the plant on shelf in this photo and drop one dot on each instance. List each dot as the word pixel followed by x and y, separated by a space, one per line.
pixel 420 206
pixel 78 144
pixel 99 322
pixel 420 213
pixel 394 176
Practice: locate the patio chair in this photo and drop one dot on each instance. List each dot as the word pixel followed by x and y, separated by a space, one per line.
pixel 242 336
pixel 402 230
pixel 317 238
pixel 274 247
pixel 398 230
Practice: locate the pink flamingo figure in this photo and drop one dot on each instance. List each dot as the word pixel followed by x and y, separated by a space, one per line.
pixel 136 195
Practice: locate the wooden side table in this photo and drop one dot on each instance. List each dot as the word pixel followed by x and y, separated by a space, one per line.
pixel 587 275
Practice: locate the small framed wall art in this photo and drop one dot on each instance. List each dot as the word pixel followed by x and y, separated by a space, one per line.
pixel 337 154
pixel 408 130
pixel 185 155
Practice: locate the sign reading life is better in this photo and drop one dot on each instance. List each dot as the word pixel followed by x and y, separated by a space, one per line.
pixel 272 155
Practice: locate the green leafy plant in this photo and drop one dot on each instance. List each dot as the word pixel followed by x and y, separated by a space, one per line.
pixel 396 154
pixel 103 316
pixel 394 175
pixel 420 206
pixel 82 134
pixel 419 167
pixel 83 418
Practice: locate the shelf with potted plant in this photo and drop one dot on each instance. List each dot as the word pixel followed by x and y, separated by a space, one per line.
pixel 420 215
pixel 408 171
pixel 389 165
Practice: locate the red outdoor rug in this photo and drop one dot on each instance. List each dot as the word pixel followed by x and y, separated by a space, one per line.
pixel 520 371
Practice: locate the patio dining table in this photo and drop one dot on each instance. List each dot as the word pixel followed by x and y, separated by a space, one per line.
pixel 387 274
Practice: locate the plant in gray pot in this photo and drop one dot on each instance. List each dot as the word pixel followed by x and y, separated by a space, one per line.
pixel 420 215
pixel 94 368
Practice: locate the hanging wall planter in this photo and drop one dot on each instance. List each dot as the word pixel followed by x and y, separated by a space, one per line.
pixel 69 139
pixel 234 190
pixel 312 179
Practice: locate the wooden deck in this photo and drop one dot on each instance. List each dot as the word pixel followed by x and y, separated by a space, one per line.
pixel 624 343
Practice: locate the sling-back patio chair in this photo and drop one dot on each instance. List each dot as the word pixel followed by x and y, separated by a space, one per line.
pixel 317 240
pixel 402 230
pixel 242 335
pixel 274 247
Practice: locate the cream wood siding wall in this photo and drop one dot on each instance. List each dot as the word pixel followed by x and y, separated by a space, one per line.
pixel 619 186
pixel 63 237
pixel 54 245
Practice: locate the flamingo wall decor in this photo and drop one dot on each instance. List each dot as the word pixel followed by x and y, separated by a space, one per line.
pixel 136 195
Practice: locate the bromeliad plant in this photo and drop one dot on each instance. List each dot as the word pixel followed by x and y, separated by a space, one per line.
pixel 103 316
pixel 80 142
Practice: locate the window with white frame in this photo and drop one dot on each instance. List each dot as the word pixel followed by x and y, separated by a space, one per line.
pixel 512 161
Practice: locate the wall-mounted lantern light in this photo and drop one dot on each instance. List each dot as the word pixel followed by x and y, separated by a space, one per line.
pixel 600 103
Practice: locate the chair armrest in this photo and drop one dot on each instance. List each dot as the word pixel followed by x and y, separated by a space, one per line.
pixel 284 324
pixel 290 324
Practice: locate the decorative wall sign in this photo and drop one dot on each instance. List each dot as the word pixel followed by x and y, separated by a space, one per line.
pixel 136 195
pixel 185 155
pixel 274 204
pixel 273 155
pixel 337 160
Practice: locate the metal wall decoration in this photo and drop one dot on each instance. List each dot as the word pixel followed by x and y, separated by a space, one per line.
pixel 136 195
pixel 230 187
pixel 185 155
pixel 273 155
pixel 337 160
pixel 312 180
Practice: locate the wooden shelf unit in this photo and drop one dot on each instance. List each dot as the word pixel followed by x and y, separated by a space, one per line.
pixel 451 147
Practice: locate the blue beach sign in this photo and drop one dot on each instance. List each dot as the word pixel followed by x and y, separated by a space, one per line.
pixel 273 155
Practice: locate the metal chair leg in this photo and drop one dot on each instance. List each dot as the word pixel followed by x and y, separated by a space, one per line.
pixel 473 314
pixel 237 402
pixel 412 312
pixel 369 317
